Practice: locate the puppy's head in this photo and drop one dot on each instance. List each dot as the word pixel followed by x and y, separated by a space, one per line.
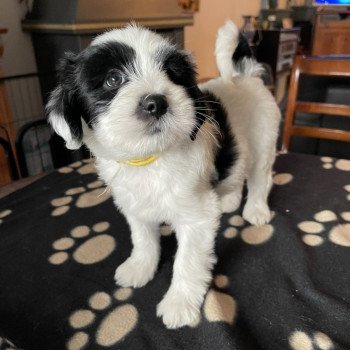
pixel 129 94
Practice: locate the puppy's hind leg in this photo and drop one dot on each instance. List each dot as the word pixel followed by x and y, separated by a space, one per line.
pixel 230 189
pixel 142 264
pixel 256 210
pixel 230 199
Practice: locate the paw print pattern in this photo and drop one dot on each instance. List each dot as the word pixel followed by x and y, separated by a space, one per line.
pixel 299 340
pixel 281 178
pixel 230 202
pixel 84 167
pixel 340 164
pixel 114 318
pixel 347 189
pixel 251 234
pixel 338 233
pixel 219 306
pixel 83 197
pixel 4 214
pixel 84 245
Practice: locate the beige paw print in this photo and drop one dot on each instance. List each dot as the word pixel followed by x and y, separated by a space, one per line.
pixel 83 167
pixel 340 164
pixel 93 194
pixel 84 245
pixel 299 340
pixel 4 214
pixel 115 320
pixel 347 189
pixel 281 178
pixel 338 234
pixel 251 235
pixel 219 306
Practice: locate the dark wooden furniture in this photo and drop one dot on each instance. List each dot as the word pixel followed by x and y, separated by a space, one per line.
pixel 8 160
pixel 5 175
pixel 337 66
pixel 277 48
pixel 331 32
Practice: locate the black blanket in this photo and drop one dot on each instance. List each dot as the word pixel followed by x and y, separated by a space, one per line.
pixel 285 285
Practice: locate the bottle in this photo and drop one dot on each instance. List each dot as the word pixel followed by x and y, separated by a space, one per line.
pixel 248 29
pixel 264 5
pixel 272 21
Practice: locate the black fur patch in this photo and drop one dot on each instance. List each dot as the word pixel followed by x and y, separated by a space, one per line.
pixel 227 154
pixel 98 61
pixel 242 50
pixel 82 90
pixel 182 71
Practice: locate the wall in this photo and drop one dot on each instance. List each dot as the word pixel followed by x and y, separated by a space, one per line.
pixel 200 38
pixel 19 54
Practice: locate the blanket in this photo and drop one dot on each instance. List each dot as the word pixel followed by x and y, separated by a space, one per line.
pixel 284 285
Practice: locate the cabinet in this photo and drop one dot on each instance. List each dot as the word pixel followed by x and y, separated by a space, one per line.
pixel 277 48
pixel 331 32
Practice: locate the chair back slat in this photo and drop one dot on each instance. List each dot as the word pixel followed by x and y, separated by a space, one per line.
pixel 326 65
pixel 322 133
pixel 323 108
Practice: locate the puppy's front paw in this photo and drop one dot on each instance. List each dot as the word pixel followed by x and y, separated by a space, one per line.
pixel 133 273
pixel 177 311
pixel 257 214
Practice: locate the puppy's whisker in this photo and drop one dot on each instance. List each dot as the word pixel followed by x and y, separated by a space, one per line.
pixel 210 111
pixel 204 131
pixel 209 135
pixel 207 101
pixel 213 138
pixel 109 183
pixel 213 121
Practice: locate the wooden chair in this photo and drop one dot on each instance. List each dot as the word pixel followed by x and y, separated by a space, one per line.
pixel 8 166
pixel 337 66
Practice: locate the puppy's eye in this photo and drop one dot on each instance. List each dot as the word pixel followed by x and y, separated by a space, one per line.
pixel 114 79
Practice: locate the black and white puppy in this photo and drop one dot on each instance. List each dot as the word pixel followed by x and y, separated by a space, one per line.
pixel 170 150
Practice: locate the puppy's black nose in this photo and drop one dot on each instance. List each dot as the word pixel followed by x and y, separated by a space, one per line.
pixel 155 105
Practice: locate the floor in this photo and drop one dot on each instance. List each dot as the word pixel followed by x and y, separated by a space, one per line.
pixel 16 185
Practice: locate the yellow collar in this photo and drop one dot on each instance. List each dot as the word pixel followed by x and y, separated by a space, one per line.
pixel 139 162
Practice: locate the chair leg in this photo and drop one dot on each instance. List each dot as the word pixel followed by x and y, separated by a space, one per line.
pixel 292 97
pixel 286 137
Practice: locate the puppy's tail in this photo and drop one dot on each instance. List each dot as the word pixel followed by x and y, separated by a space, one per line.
pixel 233 54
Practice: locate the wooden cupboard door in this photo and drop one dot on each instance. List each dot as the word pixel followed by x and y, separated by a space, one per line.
pixel 331 36
pixel 7 131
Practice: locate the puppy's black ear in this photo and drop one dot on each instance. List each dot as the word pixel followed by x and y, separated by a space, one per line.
pixel 64 108
pixel 181 70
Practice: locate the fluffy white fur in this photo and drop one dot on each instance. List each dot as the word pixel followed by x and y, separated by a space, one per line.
pixel 176 188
